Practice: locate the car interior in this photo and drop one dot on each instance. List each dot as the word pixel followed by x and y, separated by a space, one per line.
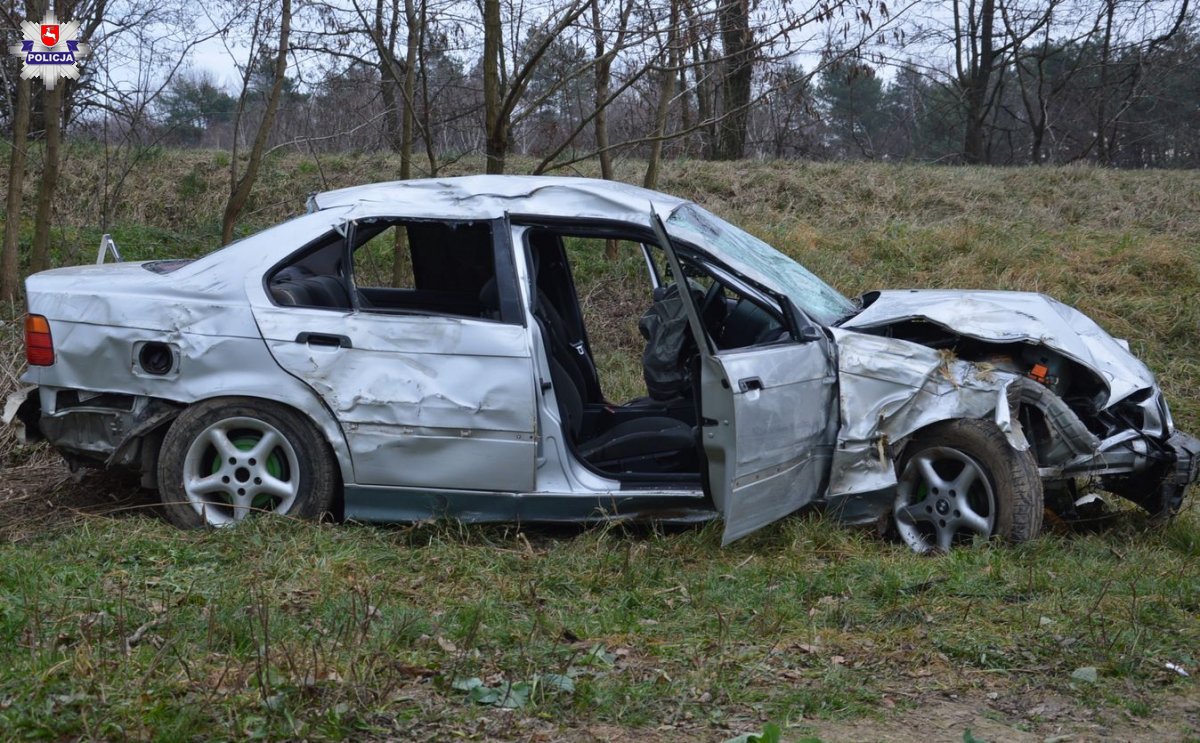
pixel 429 267
pixel 398 266
pixel 657 434
pixel 642 436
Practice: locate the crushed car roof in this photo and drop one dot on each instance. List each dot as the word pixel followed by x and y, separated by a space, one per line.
pixel 492 196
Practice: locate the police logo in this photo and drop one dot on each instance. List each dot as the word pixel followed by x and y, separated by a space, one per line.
pixel 50 50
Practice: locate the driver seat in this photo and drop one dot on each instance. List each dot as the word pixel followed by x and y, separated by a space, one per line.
pixel 649 443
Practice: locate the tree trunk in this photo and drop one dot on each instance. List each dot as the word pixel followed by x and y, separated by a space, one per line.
pixel 738 43
pixel 685 102
pixel 603 75
pixel 10 279
pixel 401 260
pixel 388 84
pixel 1103 145
pixel 666 91
pixel 704 103
pixel 241 191
pixel 704 106
pixel 495 127
pixel 39 259
pixel 1039 138
pixel 978 78
pixel 426 115
pixel 391 113
pixel 409 92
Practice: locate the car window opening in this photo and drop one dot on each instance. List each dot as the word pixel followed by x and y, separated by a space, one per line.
pixel 397 266
pixel 654 431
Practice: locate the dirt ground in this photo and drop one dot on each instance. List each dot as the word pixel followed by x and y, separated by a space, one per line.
pixel 44 495
pixel 933 718
pixel 1029 717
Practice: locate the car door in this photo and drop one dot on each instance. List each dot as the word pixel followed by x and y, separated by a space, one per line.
pixel 425 399
pixel 769 419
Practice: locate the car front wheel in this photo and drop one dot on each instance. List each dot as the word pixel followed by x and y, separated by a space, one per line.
pixel 962 479
pixel 223 460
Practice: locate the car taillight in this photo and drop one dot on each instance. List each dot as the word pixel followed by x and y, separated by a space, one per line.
pixel 39 347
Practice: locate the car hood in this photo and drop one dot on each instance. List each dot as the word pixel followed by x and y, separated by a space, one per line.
pixel 1013 317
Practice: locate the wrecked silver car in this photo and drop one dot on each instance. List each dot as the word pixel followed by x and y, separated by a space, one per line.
pixel 284 373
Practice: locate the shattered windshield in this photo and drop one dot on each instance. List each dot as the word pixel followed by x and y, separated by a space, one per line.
pixel 760 262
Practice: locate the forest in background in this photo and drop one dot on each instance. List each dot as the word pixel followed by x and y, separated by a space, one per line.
pixel 557 83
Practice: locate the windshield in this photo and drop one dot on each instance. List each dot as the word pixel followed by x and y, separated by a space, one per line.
pixel 759 262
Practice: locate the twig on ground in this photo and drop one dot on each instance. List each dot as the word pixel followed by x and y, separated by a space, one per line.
pixel 139 634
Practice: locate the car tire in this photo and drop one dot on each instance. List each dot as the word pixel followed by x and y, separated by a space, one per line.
pixel 940 503
pixel 227 458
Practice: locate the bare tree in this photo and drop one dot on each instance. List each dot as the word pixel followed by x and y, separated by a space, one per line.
pixel 397 75
pixel 976 59
pixel 733 17
pixel 39 257
pixel 605 54
pixel 1131 33
pixel 10 279
pixel 671 56
pixel 504 90
pixel 240 187
pixel 94 14
pixel 1036 85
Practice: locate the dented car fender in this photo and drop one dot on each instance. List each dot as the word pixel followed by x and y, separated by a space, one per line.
pixel 888 389
pixel 208 367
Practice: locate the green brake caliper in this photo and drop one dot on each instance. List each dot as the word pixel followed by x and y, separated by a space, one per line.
pixel 274 469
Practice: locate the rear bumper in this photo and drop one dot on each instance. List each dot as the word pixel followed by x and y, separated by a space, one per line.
pixel 88 428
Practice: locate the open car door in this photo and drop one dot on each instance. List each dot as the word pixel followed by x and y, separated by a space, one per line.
pixel 768 416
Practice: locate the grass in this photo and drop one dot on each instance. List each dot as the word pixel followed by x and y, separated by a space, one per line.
pixel 124 627
pixel 120 627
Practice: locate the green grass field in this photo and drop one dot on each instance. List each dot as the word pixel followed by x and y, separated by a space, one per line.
pixel 115 626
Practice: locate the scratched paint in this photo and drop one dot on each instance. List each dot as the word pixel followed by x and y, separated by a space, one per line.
pixel 456 405
pixel 889 388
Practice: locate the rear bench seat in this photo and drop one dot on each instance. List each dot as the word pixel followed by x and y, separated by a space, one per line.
pixel 310 291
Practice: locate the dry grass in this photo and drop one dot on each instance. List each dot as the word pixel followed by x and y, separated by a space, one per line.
pixel 12 364
pixel 182 189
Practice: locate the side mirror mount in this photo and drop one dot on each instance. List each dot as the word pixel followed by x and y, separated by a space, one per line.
pixel 806 331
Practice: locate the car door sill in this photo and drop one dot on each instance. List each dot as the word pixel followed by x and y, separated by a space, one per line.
pixel 384 504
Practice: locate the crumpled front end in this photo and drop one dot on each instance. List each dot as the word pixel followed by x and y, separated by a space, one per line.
pixel 1052 379
pixel 1003 319
pixel 889 389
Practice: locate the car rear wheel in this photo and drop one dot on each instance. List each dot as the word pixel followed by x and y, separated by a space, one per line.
pixel 960 480
pixel 223 460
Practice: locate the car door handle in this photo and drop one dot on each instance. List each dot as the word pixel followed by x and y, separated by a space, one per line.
pixel 324 339
pixel 750 383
